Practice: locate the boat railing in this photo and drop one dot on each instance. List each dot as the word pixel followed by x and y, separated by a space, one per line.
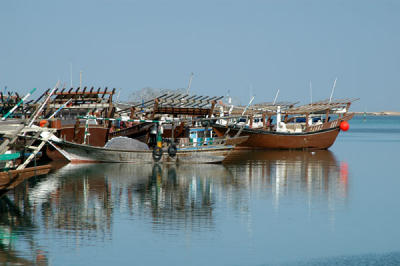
pixel 330 124
pixel 202 142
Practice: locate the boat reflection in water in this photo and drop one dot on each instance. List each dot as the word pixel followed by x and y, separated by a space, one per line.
pixel 83 197
pixel 179 197
pixel 80 203
pixel 17 228
pixel 310 174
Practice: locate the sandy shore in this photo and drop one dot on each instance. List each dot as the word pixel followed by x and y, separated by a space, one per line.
pixel 392 113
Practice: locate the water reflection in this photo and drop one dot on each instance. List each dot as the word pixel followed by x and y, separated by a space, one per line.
pixel 76 198
pixel 83 197
pixel 80 203
pixel 315 174
pixel 15 224
pixel 175 196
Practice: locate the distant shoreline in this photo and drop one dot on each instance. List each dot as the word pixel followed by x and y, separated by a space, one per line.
pixel 383 113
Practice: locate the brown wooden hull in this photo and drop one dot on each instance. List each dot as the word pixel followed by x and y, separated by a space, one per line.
pixel 264 139
pixel 96 138
pixel 13 178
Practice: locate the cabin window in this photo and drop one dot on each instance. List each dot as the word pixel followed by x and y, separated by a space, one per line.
pixel 300 120
pixel 193 135
pixel 200 134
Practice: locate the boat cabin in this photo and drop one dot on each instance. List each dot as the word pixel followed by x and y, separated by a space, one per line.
pixel 200 136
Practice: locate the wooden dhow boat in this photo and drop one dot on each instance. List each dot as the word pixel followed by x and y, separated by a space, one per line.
pixel 215 151
pixel 305 127
pixel 81 153
pixel 178 123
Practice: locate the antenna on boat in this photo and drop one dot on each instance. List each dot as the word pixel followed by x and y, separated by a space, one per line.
pixel 119 91
pixel 70 73
pixel 190 83
pixel 333 89
pixel 245 109
pixel 229 96
pixel 276 97
pixel 310 92
pixel 80 79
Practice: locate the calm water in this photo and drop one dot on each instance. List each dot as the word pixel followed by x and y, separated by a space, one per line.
pixel 262 208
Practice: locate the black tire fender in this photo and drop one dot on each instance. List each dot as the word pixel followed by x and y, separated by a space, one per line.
pixel 157 154
pixel 205 123
pixel 172 150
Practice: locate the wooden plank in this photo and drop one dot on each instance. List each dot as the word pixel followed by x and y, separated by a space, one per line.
pixel 104 93
pixel 12 178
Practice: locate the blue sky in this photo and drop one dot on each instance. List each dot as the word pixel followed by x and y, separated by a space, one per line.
pixel 248 47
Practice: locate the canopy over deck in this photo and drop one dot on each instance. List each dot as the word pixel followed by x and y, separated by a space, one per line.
pixel 259 108
pixel 321 107
pixel 175 104
pixel 78 100
pixel 81 98
pixel 289 108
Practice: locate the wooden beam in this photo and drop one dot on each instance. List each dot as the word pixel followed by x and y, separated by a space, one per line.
pixel 154 108
pixel 132 115
pixel 212 108
pixel 307 127
pixel 326 117
pixel 263 120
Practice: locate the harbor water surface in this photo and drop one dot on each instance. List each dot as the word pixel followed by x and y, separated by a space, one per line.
pixel 260 208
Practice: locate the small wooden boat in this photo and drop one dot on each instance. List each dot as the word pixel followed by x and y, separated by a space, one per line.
pixel 212 153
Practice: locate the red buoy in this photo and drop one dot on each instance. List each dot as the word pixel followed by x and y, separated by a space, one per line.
pixel 344 125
